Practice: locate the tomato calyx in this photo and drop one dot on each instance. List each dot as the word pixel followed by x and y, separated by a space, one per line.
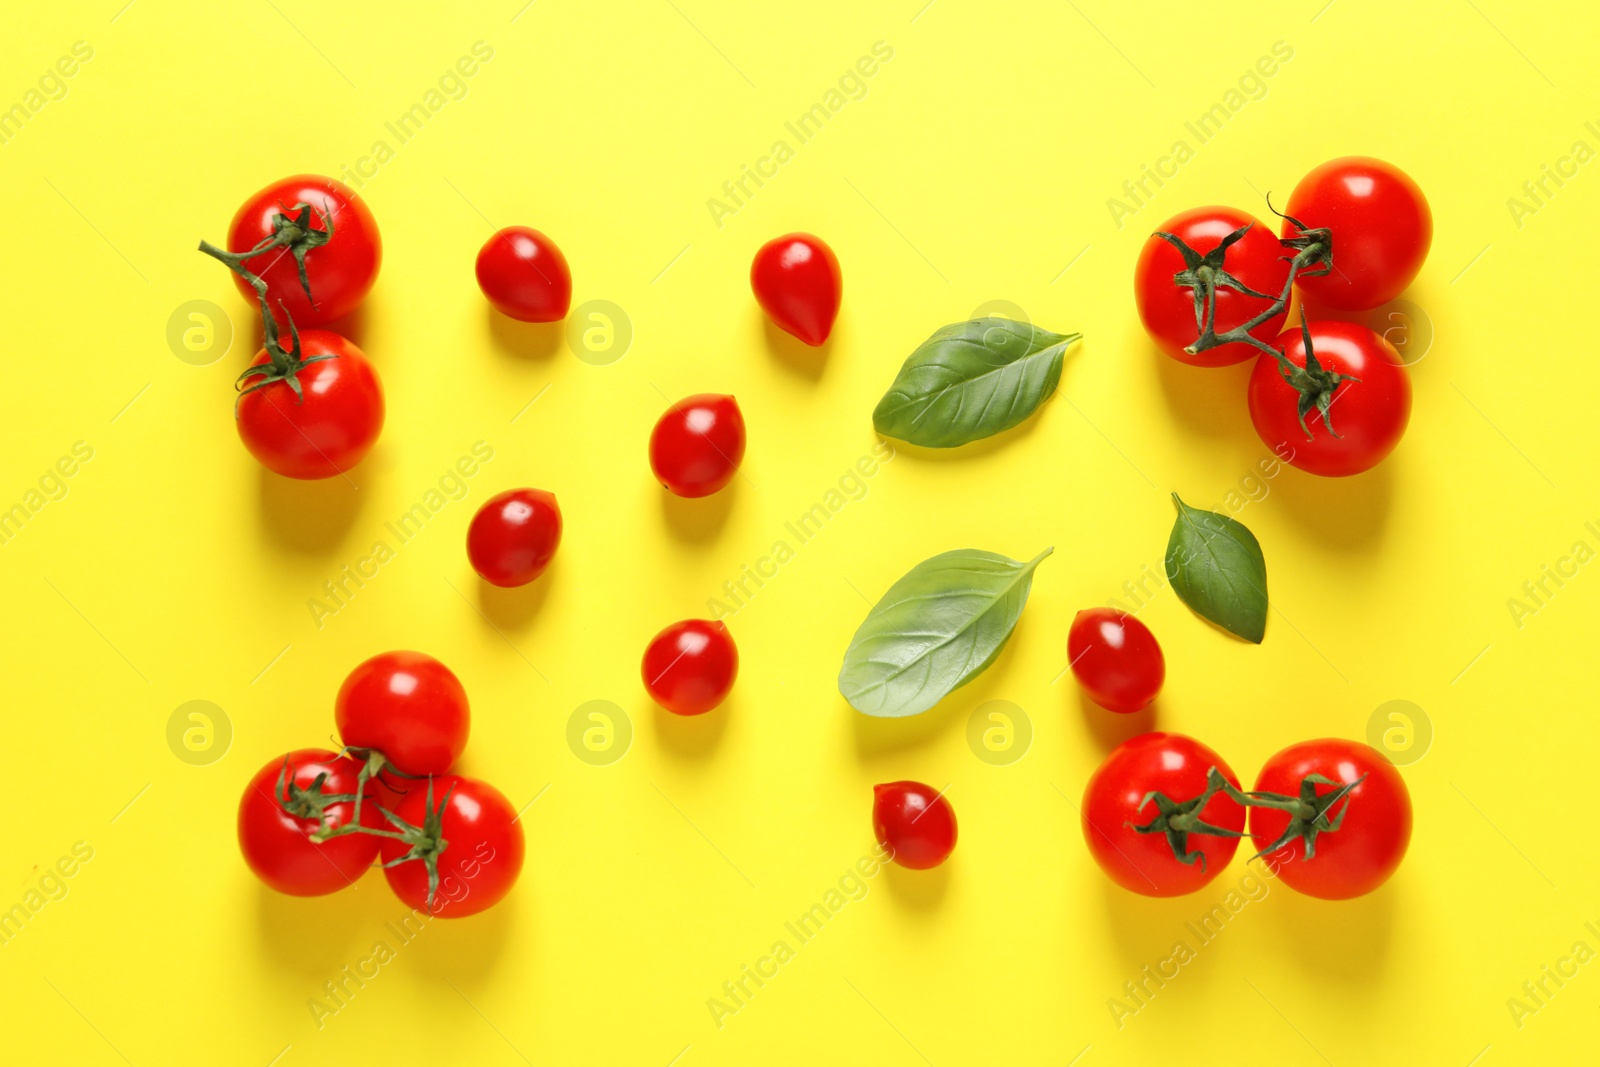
pixel 1177 819
pixel 310 802
pixel 1314 384
pixel 427 841
pixel 294 234
pixel 1203 275
pixel 1308 813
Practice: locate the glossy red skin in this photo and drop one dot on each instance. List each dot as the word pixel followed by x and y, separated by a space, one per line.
pixel 1370 415
pixel 277 845
pixel 408 706
pixel 1143 863
pixel 524 275
pixel 797 282
pixel 1116 659
pixel 914 822
pixel 341 272
pixel 1167 310
pixel 1371 841
pixel 1381 225
pixel 483 853
pixel 696 447
pixel 689 667
pixel 327 432
pixel 514 536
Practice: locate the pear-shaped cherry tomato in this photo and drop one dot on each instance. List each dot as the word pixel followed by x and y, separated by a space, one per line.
pixel 690 666
pixel 914 822
pixel 524 275
pixel 1116 659
pixel 696 446
pixel 513 536
pixel 797 282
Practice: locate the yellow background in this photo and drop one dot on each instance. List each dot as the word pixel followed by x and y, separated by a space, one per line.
pixel 977 167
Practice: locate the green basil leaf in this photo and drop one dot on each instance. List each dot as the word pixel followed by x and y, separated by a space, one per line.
pixel 1216 567
pixel 971 380
pixel 935 630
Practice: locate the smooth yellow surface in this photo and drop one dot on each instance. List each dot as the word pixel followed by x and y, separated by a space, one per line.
pixel 977 166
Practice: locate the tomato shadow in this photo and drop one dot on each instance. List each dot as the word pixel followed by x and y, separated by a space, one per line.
pixel 1362 928
pixel 1348 514
pixel 525 340
pixel 693 736
pixel 514 608
pixel 793 353
pixel 1209 401
pixel 698 520
pixel 467 950
pixel 919 891
pixel 308 517
pixel 1110 729
pixel 315 937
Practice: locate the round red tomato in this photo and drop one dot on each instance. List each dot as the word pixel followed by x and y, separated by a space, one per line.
pixel 1166 847
pixel 513 536
pixel 407 706
pixel 914 822
pixel 698 444
pixel 465 847
pixel 797 282
pixel 1168 308
pixel 524 275
pixel 1116 659
pixel 1344 819
pixel 328 426
pixel 690 666
pixel 336 241
pixel 1379 226
pixel 283 806
pixel 1369 405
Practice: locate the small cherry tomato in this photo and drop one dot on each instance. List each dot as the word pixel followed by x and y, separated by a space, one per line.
pixel 1369 399
pixel 914 822
pixel 1380 228
pixel 797 282
pixel 284 805
pixel 1155 818
pixel 698 444
pixel 1167 308
pixel 468 833
pixel 1116 659
pixel 407 706
pixel 524 275
pixel 339 269
pixel 513 536
pixel 690 666
pixel 325 429
pixel 1344 822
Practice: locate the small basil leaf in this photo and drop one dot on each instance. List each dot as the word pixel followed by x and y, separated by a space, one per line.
pixel 1216 567
pixel 935 630
pixel 971 380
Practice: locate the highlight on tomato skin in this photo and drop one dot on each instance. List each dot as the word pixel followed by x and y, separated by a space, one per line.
pixel 914 822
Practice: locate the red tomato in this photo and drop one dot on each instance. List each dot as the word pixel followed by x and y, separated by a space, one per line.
pixel 1369 408
pixel 1116 659
pixel 697 445
pixel 407 706
pixel 690 666
pixel 1379 224
pixel 466 852
pixel 914 822
pixel 277 843
pixel 797 283
pixel 524 275
pixel 513 536
pixel 329 426
pixel 339 270
pixel 1167 308
pixel 1163 848
pixel 1356 838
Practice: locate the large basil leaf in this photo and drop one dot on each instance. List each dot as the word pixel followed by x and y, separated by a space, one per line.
pixel 935 630
pixel 1216 567
pixel 971 380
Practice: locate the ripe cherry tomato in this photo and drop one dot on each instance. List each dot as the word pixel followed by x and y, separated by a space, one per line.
pixel 1380 226
pixel 1173 853
pixel 1369 410
pixel 330 426
pixel 697 445
pixel 339 269
pixel 482 849
pixel 1372 831
pixel 513 536
pixel 690 666
pixel 276 843
pixel 797 283
pixel 524 275
pixel 914 822
pixel 407 706
pixel 1116 659
pixel 1167 309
